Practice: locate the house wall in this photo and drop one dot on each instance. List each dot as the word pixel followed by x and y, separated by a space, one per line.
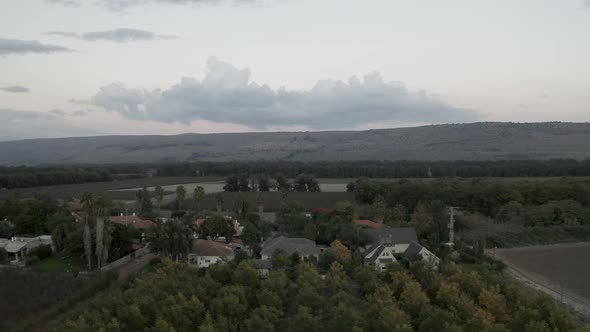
pixel 203 261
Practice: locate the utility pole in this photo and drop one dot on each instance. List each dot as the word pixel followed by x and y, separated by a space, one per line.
pixel 452 226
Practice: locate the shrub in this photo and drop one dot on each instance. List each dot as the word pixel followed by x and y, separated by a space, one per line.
pixel 3 255
pixel 41 252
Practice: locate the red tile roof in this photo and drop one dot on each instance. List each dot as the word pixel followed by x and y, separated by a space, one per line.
pixel 211 248
pixel 133 221
pixel 368 223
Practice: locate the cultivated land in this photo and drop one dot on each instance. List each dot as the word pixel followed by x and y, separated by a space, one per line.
pixel 560 270
pixel 476 141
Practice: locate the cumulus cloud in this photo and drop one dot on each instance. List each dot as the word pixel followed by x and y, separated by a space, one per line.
pixel 226 94
pixel 16 46
pixel 15 89
pixel 16 125
pixel 117 35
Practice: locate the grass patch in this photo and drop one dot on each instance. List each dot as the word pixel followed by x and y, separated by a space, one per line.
pixel 62 263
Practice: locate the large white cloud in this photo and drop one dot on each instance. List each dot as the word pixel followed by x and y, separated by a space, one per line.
pixel 226 94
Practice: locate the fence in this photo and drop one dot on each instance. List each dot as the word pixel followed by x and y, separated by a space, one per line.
pixel 126 259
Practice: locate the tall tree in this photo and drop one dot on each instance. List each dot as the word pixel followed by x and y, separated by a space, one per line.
pixel 88 206
pixel 159 193
pixel 219 199
pixel 180 196
pixel 198 196
pixel 103 208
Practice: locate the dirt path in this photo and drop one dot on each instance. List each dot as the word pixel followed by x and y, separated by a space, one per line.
pixel 577 303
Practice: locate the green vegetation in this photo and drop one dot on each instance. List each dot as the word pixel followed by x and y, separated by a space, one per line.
pixel 497 213
pixel 233 297
pixel 21 177
pixel 47 294
pixel 61 263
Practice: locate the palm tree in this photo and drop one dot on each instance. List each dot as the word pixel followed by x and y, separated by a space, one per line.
pixel 159 191
pixel 219 198
pixel 88 205
pixel 103 208
pixel 180 195
pixel 198 196
pixel 260 202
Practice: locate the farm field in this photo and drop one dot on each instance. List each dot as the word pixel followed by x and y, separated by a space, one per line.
pixel 561 270
pixel 327 185
pixel 76 190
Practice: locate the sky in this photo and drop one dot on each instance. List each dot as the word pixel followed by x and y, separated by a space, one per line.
pixel 102 67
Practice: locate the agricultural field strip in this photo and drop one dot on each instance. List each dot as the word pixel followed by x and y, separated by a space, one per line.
pixel 577 302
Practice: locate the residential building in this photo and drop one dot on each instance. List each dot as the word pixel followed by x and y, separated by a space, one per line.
pixel 417 252
pixel 133 221
pixel 368 224
pixel 379 256
pixel 17 247
pixel 398 238
pixel 263 266
pixel 304 247
pixel 205 253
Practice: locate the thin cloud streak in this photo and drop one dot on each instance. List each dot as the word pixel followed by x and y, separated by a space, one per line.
pixel 120 35
pixel 15 89
pixel 17 46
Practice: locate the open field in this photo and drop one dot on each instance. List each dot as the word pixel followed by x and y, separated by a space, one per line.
pixel 76 190
pixel 327 185
pixel 560 270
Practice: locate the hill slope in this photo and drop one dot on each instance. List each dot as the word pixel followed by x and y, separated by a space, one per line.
pixel 476 141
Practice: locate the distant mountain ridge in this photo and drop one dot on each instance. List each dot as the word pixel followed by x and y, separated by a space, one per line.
pixel 474 141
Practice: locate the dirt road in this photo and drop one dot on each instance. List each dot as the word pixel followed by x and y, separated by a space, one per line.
pixel 539 281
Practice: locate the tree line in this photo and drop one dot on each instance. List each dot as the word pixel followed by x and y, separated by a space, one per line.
pixel 22 177
pixel 383 169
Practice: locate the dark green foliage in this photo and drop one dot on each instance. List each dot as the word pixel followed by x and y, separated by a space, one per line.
pixel 233 297
pixel 42 251
pixel 21 177
pixel 3 255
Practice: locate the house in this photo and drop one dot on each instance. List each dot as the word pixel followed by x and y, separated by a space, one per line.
pixel 133 221
pixel 368 224
pixel 398 238
pixel 416 252
pixel 379 256
pixel 205 253
pixel 17 247
pixel 263 266
pixel 304 247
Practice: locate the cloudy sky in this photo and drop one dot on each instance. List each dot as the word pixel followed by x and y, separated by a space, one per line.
pixel 91 67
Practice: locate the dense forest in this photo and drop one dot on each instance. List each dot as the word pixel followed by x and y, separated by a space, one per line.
pixel 20 177
pixel 385 169
pixel 346 297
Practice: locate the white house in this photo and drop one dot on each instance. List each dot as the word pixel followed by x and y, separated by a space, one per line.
pixel 398 239
pixel 18 246
pixel 379 256
pixel 205 253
